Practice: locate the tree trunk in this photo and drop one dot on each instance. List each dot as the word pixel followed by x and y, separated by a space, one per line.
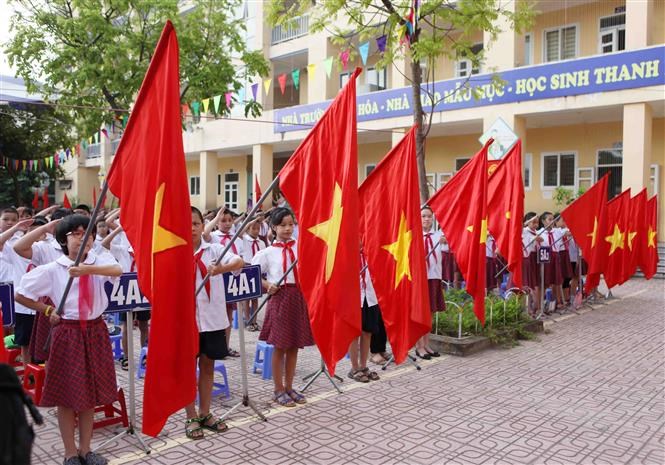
pixel 416 81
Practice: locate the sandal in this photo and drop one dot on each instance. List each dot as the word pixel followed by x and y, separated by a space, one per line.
pixel 378 359
pixel 426 356
pixel 124 364
pixel 359 376
pixel 433 353
pixel 233 353
pixel 371 374
pixel 283 399
pixel 195 432
pixel 218 426
pixel 296 396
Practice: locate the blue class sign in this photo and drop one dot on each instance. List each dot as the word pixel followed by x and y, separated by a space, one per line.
pixel 602 73
pixel 7 302
pixel 124 294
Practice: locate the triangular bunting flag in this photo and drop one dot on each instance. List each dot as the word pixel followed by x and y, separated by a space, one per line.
pixel 381 43
pixel 196 108
pixel 295 74
pixel 327 63
pixel 241 96
pixel 255 89
pixel 344 58
pixel 266 85
pixel 206 104
pixel 363 49
pixel 216 100
pixel 311 69
pixel 282 82
pixel 229 99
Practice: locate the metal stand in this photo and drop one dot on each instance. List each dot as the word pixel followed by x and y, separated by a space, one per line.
pixel 246 401
pixel 542 292
pixel 321 371
pixel 409 357
pixel 131 431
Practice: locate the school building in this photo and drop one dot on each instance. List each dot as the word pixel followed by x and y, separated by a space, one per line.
pixel 584 90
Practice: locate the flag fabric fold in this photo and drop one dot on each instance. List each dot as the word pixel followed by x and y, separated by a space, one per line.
pixel 65 201
pixel 149 176
pixel 505 208
pixel 636 231
pixel 466 227
pixel 320 182
pixel 615 239
pixel 586 220
pixel 257 189
pixel 395 251
pixel 649 253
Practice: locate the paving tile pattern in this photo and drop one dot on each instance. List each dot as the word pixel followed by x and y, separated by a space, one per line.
pixel 589 391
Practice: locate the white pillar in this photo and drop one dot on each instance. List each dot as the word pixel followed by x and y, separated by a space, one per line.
pixel 639 17
pixel 262 166
pixel 208 174
pixel 637 128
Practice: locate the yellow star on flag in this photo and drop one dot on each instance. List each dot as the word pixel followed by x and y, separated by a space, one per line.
pixel 400 251
pixel 328 231
pixel 508 215
pixel 631 236
pixel 616 240
pixel 483 230
pixel 593 234
pixel 651 237
pixel 162 238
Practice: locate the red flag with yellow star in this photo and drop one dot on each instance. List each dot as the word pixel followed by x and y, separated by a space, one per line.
pixel 586 219
pixel 149 177
pixel 615 237
pixel 320 182
pixel 505 208
pixel 636 231
pixel 460 207
pixel 395 251
pixel 649 250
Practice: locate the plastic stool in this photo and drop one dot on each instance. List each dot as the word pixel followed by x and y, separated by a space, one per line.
pixel 548 295
pixel 219 389
pixel 33 382
pixel 235 319
pixel 14 359
pixel 112 414
pixel 264 365
pixel 116 342
pixel 140 369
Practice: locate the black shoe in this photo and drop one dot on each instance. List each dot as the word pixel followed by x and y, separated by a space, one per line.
pixel 433 353
pixel 426 356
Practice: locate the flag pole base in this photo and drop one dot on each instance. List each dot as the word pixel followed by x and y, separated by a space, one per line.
pixel 130 430
pixel 321 371
pixel 409 357
pixel 246 401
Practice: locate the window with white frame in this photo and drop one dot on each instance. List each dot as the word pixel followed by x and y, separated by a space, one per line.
pixel 612 36
pixel 611 160
pixel 527 171
pixel 654 178
pixel 560 43
pixel 343 79
pixel 369 168
pixel 195 185
pixel 558 170
pixel 231 181
pixel 464 66
pixel 375 79
pixel 431 183
pixel 528 49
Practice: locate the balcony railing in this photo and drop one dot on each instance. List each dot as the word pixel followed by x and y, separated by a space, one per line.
pixel 94 150
pixel 283 33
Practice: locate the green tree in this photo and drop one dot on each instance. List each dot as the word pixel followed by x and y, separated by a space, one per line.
pixel 31 132
pixel 443 28
pixel 89 54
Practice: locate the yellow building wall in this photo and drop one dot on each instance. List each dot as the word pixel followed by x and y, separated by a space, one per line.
pixel 370 154
pixel 193 169
pixel 658 24
pixel 587 19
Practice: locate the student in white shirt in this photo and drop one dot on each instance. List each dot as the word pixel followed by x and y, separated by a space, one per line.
pixel 80 373
pixel 212 322
pixel 252 244
pixel 530 269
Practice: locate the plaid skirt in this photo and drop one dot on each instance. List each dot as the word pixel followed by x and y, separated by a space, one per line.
pixel 286 325
pixel 39 336
pixel 436 300
pixel 565 265
pixel 530 271
pixel 491 281
pixel 448 267
pixel 552 270
pixel 81 373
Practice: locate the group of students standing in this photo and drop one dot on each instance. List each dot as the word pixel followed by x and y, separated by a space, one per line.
pixel 37 254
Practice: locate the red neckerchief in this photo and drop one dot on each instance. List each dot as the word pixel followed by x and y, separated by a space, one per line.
pixel 287 249
pixel 198 263
pixel 227 237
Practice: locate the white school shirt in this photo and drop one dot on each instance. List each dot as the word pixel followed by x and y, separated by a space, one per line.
pixel 270 260
pixel 6 272
pixel 17 266
pixel 434 261
pixel 122 255
pixel 50 280
pixel 490 251
pixel 573 249
pixel 46 251
pixel 549 238
pixel 217 237
pixel 444 247
pixel 368 291
pixel 211 311
pixel 248 247
pixel 528 235
pixel 559 233
pixel 263 231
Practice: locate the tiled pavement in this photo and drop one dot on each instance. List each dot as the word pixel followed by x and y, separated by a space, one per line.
pixel 591 390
